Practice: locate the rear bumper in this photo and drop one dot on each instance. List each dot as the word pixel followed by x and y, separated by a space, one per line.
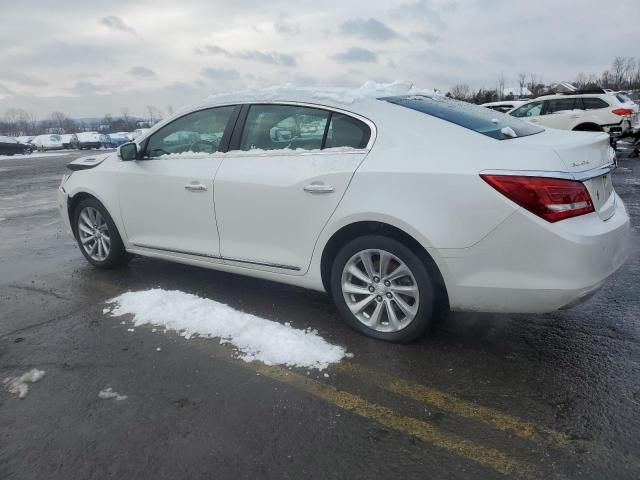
pixel 527 265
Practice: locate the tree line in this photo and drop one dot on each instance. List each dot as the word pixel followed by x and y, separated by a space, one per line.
pixel 624 74
pixel 17 122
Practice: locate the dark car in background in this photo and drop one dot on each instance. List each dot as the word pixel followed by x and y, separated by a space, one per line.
pixel 11 146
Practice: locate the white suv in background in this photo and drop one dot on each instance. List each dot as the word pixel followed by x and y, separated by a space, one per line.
pixel 594 110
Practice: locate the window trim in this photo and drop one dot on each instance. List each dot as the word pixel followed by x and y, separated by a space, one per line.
pixel 224 141
pixel 234 144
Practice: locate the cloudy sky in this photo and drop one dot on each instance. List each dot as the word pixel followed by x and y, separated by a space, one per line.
pixel 88 58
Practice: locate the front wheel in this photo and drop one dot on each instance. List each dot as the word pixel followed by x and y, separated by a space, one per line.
pixel 383 289
pixel 97 235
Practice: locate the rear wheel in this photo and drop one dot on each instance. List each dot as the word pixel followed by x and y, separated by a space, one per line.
pixel 97 235
pixel 383 289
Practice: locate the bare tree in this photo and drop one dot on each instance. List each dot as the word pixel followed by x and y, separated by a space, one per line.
pixel 126 118
pixel 460 91
pixel 618 71
pixel 500 86
pixel 522 82
pixel 153 114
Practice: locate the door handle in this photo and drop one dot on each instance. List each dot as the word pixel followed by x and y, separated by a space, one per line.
pixel 196 187
pixel 318 188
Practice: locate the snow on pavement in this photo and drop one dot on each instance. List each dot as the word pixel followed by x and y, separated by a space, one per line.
pixel 18 385
pixel 34 155
pixel 108 393
pixel 256 338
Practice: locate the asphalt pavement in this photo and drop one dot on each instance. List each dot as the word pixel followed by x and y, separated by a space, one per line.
pixel 481 396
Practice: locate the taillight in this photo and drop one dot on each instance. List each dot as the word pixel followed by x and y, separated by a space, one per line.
pixel 550 198
pixel 622 111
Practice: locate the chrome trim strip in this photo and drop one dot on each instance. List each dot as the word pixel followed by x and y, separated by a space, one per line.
pixel 579 176
pixel 184 252
pixel 237 260
pixel 263 264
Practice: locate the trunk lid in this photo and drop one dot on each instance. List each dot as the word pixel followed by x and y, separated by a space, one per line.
pixel 583 154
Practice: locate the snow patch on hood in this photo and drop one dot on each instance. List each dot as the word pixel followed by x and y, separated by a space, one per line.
pixel 256 338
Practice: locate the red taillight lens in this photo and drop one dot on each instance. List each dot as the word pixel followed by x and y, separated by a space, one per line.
pixel 622 111
pixel 550 198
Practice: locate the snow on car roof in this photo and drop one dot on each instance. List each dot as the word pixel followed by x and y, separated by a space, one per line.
pixel 330 95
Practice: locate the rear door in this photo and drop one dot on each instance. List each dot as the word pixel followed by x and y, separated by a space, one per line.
pixel 561 113
pixel 275 193
pixel 166 197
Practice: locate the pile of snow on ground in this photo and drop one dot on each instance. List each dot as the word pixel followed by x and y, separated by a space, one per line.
pixel 108 393
pixel 256 338
pixel 18 385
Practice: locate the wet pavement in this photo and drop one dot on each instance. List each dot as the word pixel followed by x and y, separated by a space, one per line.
pixel 481 396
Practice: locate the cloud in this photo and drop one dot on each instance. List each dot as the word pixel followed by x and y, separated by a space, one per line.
pixel 220 73
pixel 142 72
pixel 426 10
pixel 356 54
pixel 283 26
pixel 212 50
pixel 281 59
pixel 24 79
pixel 5 91
pixel 273 58
pixel 370 29
pixel 428 37
pixel 87 88
pixel 116 23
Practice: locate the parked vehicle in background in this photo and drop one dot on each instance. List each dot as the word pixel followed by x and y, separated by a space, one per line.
pixel 25 139
pixel 592 110
pixel 355 200
pixel 505 105
pixel 89 140
pixel 105 142
pixel 44 143
pixel 11 146
pixel 117 139
pixel 137 132
pixel 69 140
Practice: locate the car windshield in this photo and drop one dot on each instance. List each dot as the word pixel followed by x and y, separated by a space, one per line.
pixel 474 117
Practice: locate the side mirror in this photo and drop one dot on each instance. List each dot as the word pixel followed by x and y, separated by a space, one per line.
pixel 128 151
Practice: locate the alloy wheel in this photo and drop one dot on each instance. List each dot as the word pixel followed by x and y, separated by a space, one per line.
pixel 380 290
pixel 93 233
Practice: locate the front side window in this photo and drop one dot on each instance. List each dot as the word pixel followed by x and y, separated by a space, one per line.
pixel 278 127
pixel 197 132
pixel 532 109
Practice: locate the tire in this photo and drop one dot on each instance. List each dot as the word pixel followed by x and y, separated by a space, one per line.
pixel 90 218
pixel 385 301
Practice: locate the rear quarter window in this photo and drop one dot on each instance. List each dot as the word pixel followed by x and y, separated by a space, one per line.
pixel 473 117
pixel 593 103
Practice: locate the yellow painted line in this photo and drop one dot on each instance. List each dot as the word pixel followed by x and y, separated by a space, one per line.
pixel 488 457
pixel 464 408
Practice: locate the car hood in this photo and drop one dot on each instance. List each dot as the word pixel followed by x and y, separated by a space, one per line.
pixel 85 163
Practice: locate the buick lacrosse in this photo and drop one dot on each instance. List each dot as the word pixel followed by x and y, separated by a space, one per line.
pixel 392 202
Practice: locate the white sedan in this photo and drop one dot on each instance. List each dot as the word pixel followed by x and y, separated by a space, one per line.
pixel 392 203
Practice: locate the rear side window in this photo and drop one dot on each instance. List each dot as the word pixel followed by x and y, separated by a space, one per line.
pixel 622 98
pixel 560 105
pixel 282 127
pixel 345 131
pixel 473 117
pixel 594 103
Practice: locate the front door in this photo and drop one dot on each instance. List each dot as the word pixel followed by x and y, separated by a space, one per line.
pixel 166 197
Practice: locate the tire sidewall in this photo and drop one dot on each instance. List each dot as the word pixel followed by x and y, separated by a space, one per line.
pixel 117 250
pixel 420 272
